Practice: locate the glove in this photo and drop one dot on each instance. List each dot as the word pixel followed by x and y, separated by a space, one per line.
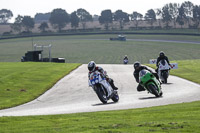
pixel 170 66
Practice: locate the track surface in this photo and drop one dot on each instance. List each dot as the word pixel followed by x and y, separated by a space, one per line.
pixel 72 94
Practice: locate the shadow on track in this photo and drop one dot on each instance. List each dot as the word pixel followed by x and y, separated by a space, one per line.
pixel 167 83
pixel 99 104
pixel 145 98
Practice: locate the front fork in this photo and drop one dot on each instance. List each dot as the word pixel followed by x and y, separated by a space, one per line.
pixel 107 86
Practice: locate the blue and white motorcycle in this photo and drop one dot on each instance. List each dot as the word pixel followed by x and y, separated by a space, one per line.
pixel 125 61
pixel 102 87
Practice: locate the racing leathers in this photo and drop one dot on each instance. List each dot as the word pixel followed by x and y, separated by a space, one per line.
pixel 100 69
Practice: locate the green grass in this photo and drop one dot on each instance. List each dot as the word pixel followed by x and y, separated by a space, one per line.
pixel 82 49
pixel 187 69
pixel 23 82
pixel 170 119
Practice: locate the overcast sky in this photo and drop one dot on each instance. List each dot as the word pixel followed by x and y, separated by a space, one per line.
pixel 31 7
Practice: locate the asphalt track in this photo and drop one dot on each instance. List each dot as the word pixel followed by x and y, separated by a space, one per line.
pixel 72 94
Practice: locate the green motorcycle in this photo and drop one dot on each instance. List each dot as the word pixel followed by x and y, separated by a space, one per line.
pixel 150 83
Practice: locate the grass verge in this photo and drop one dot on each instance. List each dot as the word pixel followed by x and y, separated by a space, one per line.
pixel 82 49
pixel 23 82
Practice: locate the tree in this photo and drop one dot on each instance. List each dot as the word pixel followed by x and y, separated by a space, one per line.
pixel 121 17
pixel 196 15
pixel 181 17
pixel 43 26
pixel 42 17
pixel 150 16
pixel 74 20
pixel 59 18
pixel 106 18
pixel 166 15
pixel 5 15
pixel 17 25
pixel 95 17
pixel 84 16
pixel 159 14
pixel 188 7
pixel 28 23
pixel 135 17
pixel 173 11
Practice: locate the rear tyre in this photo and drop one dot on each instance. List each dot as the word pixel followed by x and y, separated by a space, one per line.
pixel 153 89
pixel 101 93
pixel 161 93
pixel 165 80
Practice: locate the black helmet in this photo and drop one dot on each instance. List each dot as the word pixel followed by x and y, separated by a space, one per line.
pixel 136 64
pixel 161 54
pixel 91 66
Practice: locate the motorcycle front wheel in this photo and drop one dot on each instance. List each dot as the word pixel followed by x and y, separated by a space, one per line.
pixel 153 89
pixel 101 93
pixel 165 76
pixel 115 97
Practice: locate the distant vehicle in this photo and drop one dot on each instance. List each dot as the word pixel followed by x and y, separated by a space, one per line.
pixel 119 38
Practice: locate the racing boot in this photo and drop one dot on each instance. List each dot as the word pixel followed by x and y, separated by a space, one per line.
pixel 112 84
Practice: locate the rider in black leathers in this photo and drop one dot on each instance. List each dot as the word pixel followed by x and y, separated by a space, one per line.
pixel 161 57
pixel 92 67
pixel 125 57
pixel 137 66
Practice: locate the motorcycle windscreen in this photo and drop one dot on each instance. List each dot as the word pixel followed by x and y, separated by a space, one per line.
pixel 163 62
pixel 163 65
pixel 142 73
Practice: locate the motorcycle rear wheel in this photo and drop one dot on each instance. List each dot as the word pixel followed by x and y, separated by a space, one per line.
pixel 165 80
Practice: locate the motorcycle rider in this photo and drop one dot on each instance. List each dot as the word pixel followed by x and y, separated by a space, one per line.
pixel 161 57
pixel 138 67
pixel 125 57
pixel 92 67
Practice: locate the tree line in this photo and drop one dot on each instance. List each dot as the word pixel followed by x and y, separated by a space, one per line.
pixel 185 13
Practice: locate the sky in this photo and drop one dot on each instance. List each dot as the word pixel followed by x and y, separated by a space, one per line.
pixel 31 7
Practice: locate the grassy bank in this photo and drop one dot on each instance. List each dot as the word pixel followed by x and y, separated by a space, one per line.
pixel 169 119
pixel 23 82
pixel 82 49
